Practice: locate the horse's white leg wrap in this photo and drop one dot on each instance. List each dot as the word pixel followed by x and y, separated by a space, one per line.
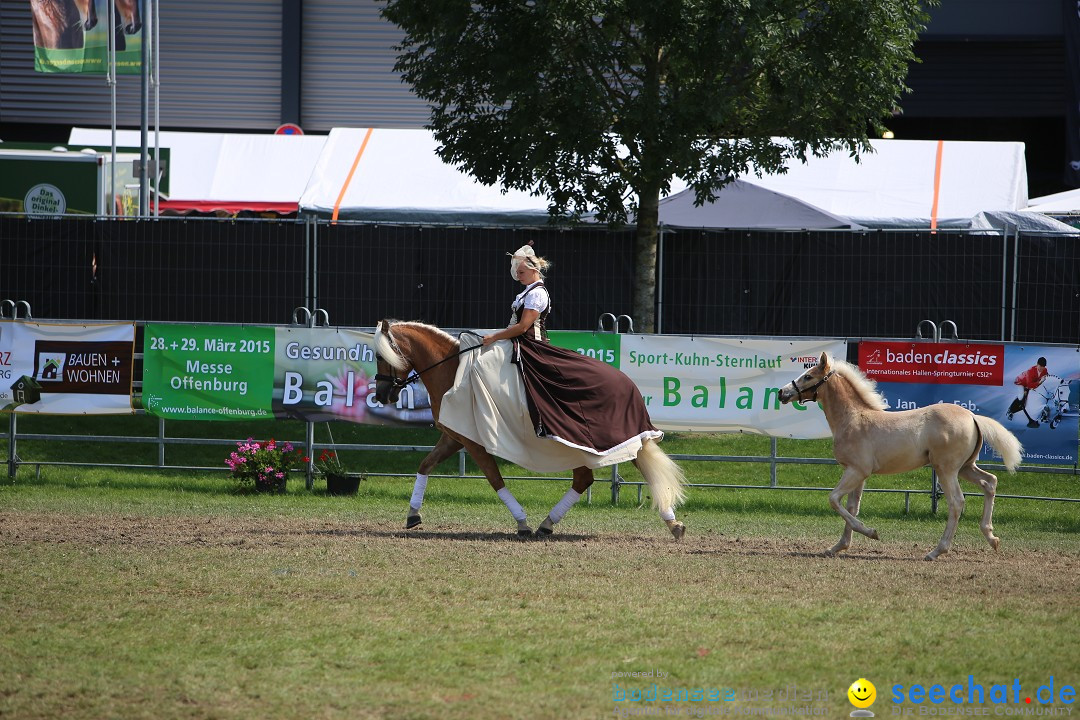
pixel 511 504
pixel 667 514
pixel 568 501
pixel 418 490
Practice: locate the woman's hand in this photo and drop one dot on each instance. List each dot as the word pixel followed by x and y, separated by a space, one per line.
pixel 489 339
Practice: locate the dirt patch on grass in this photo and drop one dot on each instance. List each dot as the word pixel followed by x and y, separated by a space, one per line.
pixel 18 528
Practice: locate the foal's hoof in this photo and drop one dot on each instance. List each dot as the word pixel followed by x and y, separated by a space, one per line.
pixel 543 532
pixel 413 521
pixel 524 532
pixel 873 535
pixel 995 543
pixel 678 530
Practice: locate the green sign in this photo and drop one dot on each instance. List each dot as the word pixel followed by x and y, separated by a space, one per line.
pixel 206 372
pixel 602 346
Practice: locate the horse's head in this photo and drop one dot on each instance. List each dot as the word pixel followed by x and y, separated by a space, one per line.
pixel 804 387
pixel 392 368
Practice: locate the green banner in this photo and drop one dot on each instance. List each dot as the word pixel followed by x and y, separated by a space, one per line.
pixel 207 372
pixel 72 37
pixel 602 346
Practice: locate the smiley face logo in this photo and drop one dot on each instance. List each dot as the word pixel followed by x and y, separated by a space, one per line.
pixel 862 693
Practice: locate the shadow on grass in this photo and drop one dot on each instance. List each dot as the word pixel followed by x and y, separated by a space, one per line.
pixel 459 535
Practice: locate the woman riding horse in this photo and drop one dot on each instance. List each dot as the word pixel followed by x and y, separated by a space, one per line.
pixel 586 413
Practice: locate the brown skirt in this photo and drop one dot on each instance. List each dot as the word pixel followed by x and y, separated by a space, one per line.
pixel 580 401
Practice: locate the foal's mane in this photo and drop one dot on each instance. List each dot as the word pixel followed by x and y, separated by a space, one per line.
pixel 385 342
pixel 864 387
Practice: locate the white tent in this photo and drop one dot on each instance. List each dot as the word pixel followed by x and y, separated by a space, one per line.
pixel 396 176
pixel 226 171
pixel 907 183
pixel 1062 203
pixel 742 204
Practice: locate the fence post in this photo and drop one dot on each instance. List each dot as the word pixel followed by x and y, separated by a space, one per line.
pixel 616 481
pixel 772 462
pixel 11 446
pixel 161 442
pixel 309 442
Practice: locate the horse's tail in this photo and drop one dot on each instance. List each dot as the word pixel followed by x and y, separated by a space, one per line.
pixel 667 482
pixel 1001 440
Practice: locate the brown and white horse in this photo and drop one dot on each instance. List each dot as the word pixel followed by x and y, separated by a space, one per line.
pixel 868 440
pixel 62 24
pixel 401 347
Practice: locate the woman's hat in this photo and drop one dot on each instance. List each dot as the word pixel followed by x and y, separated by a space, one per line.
pixel 522 254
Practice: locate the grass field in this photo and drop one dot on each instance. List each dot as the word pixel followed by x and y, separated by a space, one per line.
pixel 131 594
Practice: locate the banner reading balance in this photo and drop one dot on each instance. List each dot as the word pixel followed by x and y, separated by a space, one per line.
pixel 726 384
pixel 985 379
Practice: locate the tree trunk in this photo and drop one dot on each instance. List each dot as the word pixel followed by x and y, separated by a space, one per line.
pixel 645 245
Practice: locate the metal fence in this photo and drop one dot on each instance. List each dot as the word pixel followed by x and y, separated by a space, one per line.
pixel 859 284
pixel 855 284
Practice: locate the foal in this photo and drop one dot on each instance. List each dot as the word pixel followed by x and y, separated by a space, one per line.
pixel 867 440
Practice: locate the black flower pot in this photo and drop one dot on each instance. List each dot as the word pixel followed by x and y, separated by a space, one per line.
pixel 342 484
pixel 274 486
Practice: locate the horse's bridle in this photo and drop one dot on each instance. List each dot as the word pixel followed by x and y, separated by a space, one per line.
pixel 814 387
pixel 397 383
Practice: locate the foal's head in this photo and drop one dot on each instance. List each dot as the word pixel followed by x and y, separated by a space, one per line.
pixel 806 387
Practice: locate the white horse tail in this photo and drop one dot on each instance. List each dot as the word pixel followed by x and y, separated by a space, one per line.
pixel 999 438
pixel 667 482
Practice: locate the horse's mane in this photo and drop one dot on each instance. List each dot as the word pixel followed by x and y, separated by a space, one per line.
pixel 384 342
pixel 864 387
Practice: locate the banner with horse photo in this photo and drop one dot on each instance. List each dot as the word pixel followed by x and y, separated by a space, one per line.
pixel 1030 389
pixel 66 369
pixel 72 36
pixel 328 374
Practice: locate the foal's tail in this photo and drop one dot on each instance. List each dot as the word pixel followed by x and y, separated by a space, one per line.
pixel 999 438
pixel 667 482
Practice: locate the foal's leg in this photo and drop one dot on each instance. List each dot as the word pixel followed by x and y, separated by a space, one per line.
pixel 951 487
pixel 987 482
pixel 851 481
pixel 583 478
pixel 444 448
pixel 491 471
pixel 853 499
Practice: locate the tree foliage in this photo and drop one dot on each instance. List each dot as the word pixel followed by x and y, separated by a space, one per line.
pixel 598 105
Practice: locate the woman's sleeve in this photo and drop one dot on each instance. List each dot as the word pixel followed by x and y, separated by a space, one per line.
pixel 537 300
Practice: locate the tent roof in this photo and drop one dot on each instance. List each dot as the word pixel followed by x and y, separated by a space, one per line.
pixel 226 171
pixel 1059 203
pixel 396 176
pixel 743 204
pixel 899 182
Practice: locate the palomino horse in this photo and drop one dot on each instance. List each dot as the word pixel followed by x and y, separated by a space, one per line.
pixel 62 24
pixel 433 356
pixel 867 440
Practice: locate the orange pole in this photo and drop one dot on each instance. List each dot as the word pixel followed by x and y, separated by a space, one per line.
pixel 937 185
pixel 348 178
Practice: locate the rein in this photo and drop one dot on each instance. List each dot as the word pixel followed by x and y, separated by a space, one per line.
pixel 813 387
pixel 401 383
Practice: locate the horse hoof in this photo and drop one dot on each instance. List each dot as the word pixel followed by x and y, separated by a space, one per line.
pixel 678 530
pixel 873 535
pixel 543 532
pixel 413 521
pixel 995 543
pixel 831 552
pixel 930 557
pixel 524 532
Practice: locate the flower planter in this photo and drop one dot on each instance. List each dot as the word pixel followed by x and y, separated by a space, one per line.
pixel 342 484
pixel 277 486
